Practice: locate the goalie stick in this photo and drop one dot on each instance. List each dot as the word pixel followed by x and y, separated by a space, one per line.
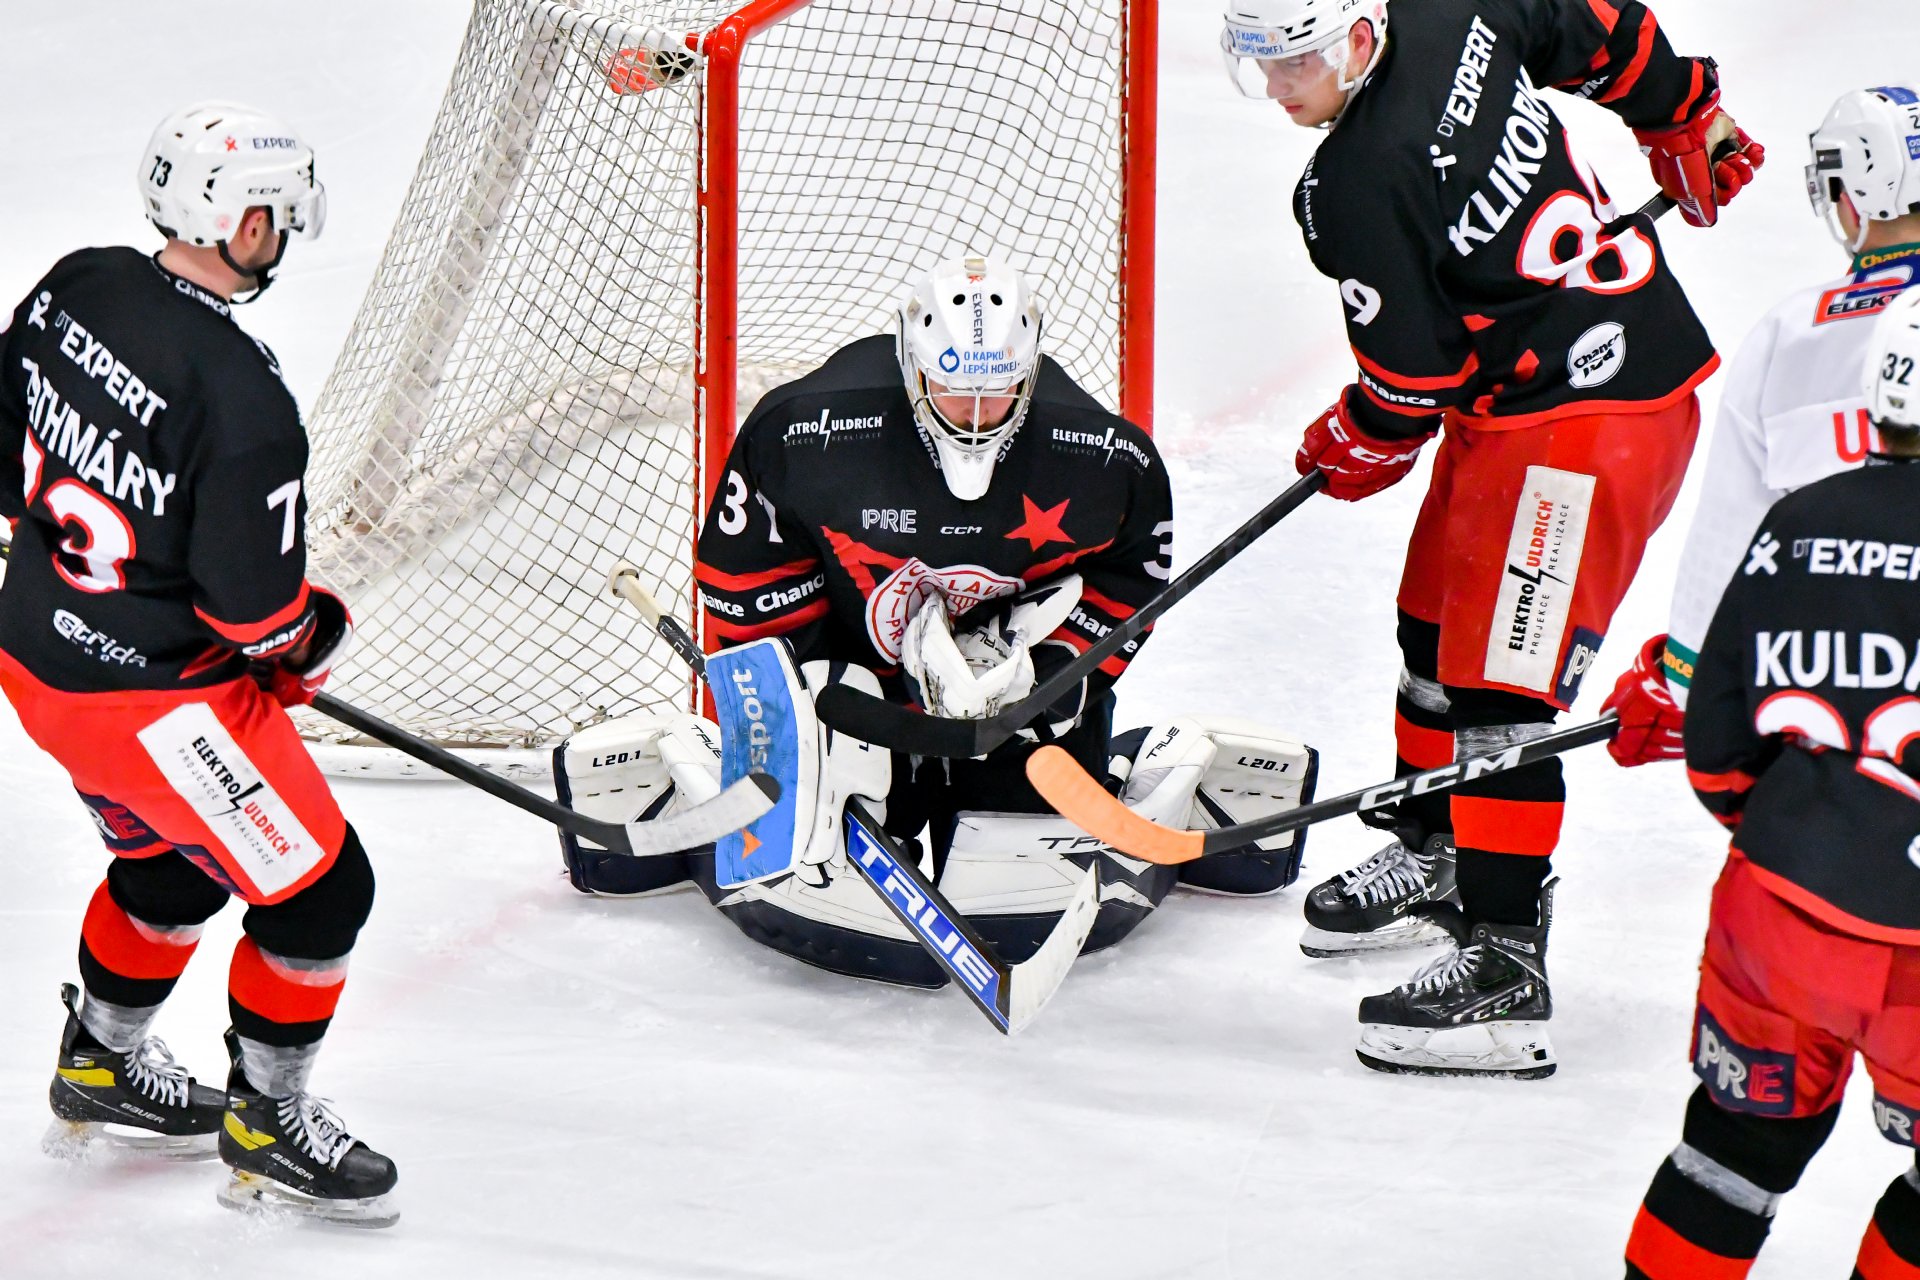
pixel 1010 995
pixel 1084 802
pixel 888 724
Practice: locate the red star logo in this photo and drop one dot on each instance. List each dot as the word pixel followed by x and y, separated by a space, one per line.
pixel 232 145
pixel 1042 527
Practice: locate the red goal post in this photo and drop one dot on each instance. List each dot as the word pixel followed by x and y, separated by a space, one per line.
pixel 611 249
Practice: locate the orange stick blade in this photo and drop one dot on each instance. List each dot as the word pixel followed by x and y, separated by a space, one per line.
pixel 1075 795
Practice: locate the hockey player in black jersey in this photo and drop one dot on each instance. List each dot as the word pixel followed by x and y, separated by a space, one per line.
pixel 945 515
pixel 154 621
pixel 1803 738
pixel 1491 289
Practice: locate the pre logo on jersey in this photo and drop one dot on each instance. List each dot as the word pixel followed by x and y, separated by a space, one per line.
pixel 1535 599
pixel 1858 298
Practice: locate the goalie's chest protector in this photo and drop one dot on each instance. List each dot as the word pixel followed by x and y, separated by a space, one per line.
pixel 854 478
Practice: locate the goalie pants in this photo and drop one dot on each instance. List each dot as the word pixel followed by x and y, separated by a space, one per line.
pixel 202 795
pixel 1785 1003
pixel 1525 544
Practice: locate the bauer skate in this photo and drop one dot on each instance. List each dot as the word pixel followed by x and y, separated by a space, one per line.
pixel 1479 1010
pixel 294 1154
pixel 141 1100
pixel 1376 906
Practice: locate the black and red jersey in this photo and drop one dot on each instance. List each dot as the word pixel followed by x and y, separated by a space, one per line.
pixel 831 522
pixel 1803 726
pixel 1478 256
pixel 154 462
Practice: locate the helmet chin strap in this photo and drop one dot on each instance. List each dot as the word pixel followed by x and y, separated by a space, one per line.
pixel 1352 87
pixel 261 276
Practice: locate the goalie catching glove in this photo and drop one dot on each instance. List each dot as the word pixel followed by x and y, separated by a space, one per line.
pixel 996 662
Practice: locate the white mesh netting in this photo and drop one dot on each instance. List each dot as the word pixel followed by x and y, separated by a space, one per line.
pixel 514 407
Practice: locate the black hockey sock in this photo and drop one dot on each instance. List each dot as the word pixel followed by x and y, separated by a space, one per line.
pixel 1713 1200
pixel 1891 1249
pixel 1422 735
pixel 1506 824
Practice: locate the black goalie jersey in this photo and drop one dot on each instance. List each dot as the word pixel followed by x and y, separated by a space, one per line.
pixel 831 521
pixel 1803 728
pixel 154 462
pixel 1473 245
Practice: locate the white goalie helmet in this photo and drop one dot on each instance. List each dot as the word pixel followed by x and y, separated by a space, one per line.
pixel 1304 33
pixel 1868 148
pixel 1892 373
pixel 207 164
pixel 969 329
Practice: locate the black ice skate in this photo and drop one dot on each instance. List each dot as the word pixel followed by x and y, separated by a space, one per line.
pixel 294 1153
pixel 1372 907
pixel 140 1099
pixel 1481 1009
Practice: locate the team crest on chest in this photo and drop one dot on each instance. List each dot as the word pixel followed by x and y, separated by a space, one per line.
pixel 891 604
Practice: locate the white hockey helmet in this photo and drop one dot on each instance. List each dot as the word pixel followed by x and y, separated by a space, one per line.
pixel 1262 31
pixel 1869 149
pixel 209 163
pixel 1892 373
pixel 971 327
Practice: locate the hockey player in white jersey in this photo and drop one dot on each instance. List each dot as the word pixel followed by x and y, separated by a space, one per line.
pixel 1793 411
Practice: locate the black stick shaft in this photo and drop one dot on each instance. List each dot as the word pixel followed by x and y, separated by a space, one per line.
pixel 608 835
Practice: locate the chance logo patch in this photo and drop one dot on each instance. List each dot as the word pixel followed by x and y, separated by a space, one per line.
pixel 1536 586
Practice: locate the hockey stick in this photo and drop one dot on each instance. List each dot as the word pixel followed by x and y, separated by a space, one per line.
pixel 739 805
pixel 1009 995
pixel 1084 802
pixel 888 724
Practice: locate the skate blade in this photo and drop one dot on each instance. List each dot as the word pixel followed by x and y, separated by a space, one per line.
pixel 254 1193
pixel 87 1139
pixel 1403 935
pixel 1506 1050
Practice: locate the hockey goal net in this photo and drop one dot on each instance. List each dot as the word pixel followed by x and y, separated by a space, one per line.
pixel 606 255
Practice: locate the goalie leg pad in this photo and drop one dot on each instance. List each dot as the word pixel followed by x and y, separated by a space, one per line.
pixel 1207 772
pixel 624 770
pixel 1013 874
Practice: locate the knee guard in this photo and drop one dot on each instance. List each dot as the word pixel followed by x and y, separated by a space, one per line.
pixel 625 770
pixel 322 920
pixel 1205 773
pixel 166 889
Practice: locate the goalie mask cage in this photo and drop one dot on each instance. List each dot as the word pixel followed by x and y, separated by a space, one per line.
pixel 631 220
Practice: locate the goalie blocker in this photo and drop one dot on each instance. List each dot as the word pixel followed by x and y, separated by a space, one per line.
pixel 1010 873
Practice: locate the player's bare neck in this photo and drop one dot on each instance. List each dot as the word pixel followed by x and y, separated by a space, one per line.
pixel 204 268
pixel 1892 233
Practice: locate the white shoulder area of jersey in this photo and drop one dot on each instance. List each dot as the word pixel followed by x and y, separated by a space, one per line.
pixel 1798 376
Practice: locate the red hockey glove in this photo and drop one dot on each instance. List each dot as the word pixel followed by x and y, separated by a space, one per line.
pixel 1650 720
pixel 299 673
pixel 1703 162
pixel 1357 465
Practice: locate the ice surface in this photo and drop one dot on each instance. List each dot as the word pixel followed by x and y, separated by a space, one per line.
pixel 585 1088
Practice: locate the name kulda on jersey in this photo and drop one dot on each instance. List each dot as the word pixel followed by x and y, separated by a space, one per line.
pixel 1815 659
pixel 119 473
pixel 1859 558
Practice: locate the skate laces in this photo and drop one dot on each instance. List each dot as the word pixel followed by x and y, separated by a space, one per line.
pixel 1444 970
pixel 152 1070
pixel 1393 872
pixel 314 1128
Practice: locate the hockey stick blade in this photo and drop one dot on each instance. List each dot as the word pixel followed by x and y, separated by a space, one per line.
pixel 742 803
pixel 888 724
pixel 1010 996
pixel 1085 803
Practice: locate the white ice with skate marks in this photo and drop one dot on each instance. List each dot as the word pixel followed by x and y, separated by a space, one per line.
pixel 582 1088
